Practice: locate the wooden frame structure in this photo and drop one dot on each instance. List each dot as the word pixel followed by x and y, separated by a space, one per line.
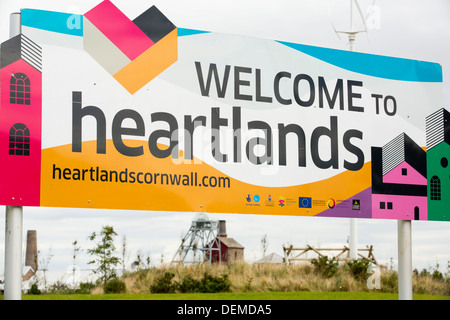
pixel 293 254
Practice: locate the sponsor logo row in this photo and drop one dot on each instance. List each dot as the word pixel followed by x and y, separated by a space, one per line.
pixel 301 202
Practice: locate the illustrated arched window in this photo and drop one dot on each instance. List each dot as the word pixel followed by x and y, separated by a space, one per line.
pixel 19 90
pixel 19 140
pixel 435 188
pixel 416 213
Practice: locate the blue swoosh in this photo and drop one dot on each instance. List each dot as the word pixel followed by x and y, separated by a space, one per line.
pixel 189 32
pixel 51 21
pixel 374 65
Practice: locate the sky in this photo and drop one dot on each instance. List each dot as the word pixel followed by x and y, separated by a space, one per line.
pixel 410 29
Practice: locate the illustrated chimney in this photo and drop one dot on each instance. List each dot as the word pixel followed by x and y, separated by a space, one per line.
pixel 31 258
pixel 222 228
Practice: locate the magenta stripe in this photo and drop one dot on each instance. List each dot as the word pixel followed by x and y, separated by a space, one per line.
pixel 116 26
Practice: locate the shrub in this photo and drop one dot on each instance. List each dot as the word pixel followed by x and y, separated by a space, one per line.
pixel 324 266
pixel 206 284
pixel 424 273
pixel 447 282
pixel 85 288
pixel 60 288
pixel 437 275
pixel 211 284
pixel 163 284
pixel 189 285
pixel 358 268
pixel 34 289
pixel 114 286
pixel 389 281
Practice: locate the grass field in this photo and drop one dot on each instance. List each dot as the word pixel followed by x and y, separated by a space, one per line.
pixel 299 295
pixel 241 281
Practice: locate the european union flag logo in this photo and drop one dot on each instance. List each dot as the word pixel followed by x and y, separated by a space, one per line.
pixel 304 202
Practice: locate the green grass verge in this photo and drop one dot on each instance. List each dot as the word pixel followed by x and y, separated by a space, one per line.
pixel 236 296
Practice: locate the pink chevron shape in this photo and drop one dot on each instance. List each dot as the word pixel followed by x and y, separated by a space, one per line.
pixel 116 26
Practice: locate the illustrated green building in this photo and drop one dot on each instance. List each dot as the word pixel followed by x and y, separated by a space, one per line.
pixel 438 166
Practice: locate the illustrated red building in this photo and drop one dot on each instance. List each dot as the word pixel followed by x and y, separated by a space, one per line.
pixel 20 122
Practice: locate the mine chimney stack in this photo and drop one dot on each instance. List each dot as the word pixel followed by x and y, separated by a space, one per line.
pixel 31 258
pixel 222 228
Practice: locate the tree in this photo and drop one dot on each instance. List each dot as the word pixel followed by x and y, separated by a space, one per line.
pixel 104 254
pixel 76 249
pixel 124 253
pixel 45 261
pixel 264 245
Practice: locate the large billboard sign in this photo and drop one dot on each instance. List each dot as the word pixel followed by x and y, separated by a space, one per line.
pixel 101 111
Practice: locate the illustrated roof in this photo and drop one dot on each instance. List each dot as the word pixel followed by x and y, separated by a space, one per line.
pixel 438 128
pixel 381 187
pixel 21 47
pixel 404 149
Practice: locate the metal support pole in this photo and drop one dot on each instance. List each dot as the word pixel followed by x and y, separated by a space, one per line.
pixel 13 253
pixel 353 241
pixel 404 260
pixel 13 224
pixel 351 35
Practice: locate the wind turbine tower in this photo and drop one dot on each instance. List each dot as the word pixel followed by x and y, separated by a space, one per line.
pixel 353 239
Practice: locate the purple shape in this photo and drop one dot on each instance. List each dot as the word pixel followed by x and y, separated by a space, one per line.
pixel 345 209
